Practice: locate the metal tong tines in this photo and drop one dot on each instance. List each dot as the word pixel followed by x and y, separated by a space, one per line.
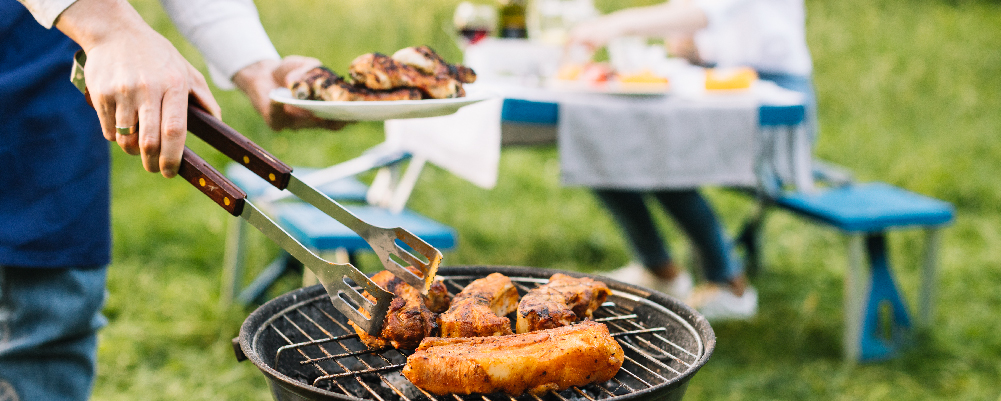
pixel 333 276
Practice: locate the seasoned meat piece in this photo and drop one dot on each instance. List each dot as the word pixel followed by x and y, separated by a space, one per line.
pixel 321 83
pixel 429 62
pixel 537 362
pixel 479 310
pixel 380 72
pixel 560 302
pixel 409 319
pixel 305 88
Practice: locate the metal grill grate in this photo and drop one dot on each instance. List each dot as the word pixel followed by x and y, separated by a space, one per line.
pixel 323 351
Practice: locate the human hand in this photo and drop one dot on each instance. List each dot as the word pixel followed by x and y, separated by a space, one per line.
pixel 594 34
pixel 259 79
pixel 136 77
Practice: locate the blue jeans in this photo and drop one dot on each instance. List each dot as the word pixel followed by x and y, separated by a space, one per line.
pixel 691 211
pixel 48 332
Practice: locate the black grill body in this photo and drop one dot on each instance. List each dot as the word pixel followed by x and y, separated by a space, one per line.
pixel 309 352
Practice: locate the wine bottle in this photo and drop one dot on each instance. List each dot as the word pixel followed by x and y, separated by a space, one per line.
pixel 512 23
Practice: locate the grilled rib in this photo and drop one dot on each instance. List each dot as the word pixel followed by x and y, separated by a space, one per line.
pixel 380 72
pixel 479 310
pixel 321 83
pixel 410 317
pixel 560 302
pixel 536 362
pixel 429 62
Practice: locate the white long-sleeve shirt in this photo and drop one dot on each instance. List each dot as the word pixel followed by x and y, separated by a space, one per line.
pixel 228 33
pixel 767 35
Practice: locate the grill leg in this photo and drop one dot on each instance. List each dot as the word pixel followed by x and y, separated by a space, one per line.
pixel 232 268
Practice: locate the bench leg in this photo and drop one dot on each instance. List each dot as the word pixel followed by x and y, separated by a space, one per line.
pixel 887 324
pixel 926 304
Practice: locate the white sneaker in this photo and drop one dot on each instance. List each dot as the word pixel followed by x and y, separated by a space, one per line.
pixel 718 303
pixel 636 274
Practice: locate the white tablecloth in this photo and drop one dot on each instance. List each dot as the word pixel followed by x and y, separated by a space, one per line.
pixel 686 139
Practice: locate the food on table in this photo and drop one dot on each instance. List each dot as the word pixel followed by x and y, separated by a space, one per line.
pixel 560 302
pixel 411 316
pixel 537 362
pixel 412 73
pixel 597 73
pixel 730 78
pixel 479 310
pixel 643 77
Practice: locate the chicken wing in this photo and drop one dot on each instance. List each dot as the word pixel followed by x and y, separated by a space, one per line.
pixel 380 72
pixel 480 309
pixel 410 318
pixel 429 62
pixel 537 362
pixel 560 302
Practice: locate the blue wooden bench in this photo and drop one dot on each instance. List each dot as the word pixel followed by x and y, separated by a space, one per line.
pixel 316 230
pixel 864 212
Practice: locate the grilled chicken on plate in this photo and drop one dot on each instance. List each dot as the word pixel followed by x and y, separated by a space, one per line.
pixel 411 316
pixel 321 83
pixel 561 301
pixel 480 309
pixel 537 362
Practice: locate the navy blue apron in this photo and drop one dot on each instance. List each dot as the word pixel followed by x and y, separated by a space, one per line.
pixel 54 162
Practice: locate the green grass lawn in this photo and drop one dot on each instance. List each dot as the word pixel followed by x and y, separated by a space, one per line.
pixel 909 94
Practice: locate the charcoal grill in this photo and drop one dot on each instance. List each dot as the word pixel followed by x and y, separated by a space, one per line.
pixel 308 351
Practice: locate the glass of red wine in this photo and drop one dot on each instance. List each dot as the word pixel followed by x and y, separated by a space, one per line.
pixel 474 22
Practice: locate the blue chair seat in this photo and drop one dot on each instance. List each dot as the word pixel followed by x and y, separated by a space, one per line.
pixel 871 207
pixel 317 230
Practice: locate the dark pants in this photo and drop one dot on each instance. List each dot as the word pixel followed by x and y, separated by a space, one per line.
pixel 690 210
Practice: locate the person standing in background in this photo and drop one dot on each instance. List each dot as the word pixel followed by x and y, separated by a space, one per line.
pixel 766 35
pixel 55 243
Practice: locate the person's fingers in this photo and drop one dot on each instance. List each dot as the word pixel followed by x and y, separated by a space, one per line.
pixel 200 91
pixel 149 133
pixel 126 118
pixel 173 127
pixel 292 69
pixel 104 104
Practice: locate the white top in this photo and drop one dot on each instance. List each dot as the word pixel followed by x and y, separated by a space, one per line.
pixel 767 35
pixel 228 33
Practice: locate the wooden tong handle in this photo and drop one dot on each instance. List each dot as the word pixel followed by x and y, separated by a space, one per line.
pixel 237 147
pixel 207 179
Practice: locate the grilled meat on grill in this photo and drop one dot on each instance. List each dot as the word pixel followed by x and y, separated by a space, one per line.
pixel 410 318
pixel 380 72
pixel 560 302
pixel 321 83
pixel 537 362
pixel 479 310
pixel 429 62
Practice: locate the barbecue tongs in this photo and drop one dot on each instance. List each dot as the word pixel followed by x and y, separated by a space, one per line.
pixel 333 276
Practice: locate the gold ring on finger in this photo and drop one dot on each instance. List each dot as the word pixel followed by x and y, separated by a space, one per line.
pixel 126 131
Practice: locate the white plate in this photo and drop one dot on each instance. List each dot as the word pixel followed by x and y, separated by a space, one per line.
pixel 382 110
pixel 610 88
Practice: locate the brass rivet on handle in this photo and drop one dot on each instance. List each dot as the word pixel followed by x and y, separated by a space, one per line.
pixel 246 160
pixel 225 200
pixel 201 181
pixel 271 176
